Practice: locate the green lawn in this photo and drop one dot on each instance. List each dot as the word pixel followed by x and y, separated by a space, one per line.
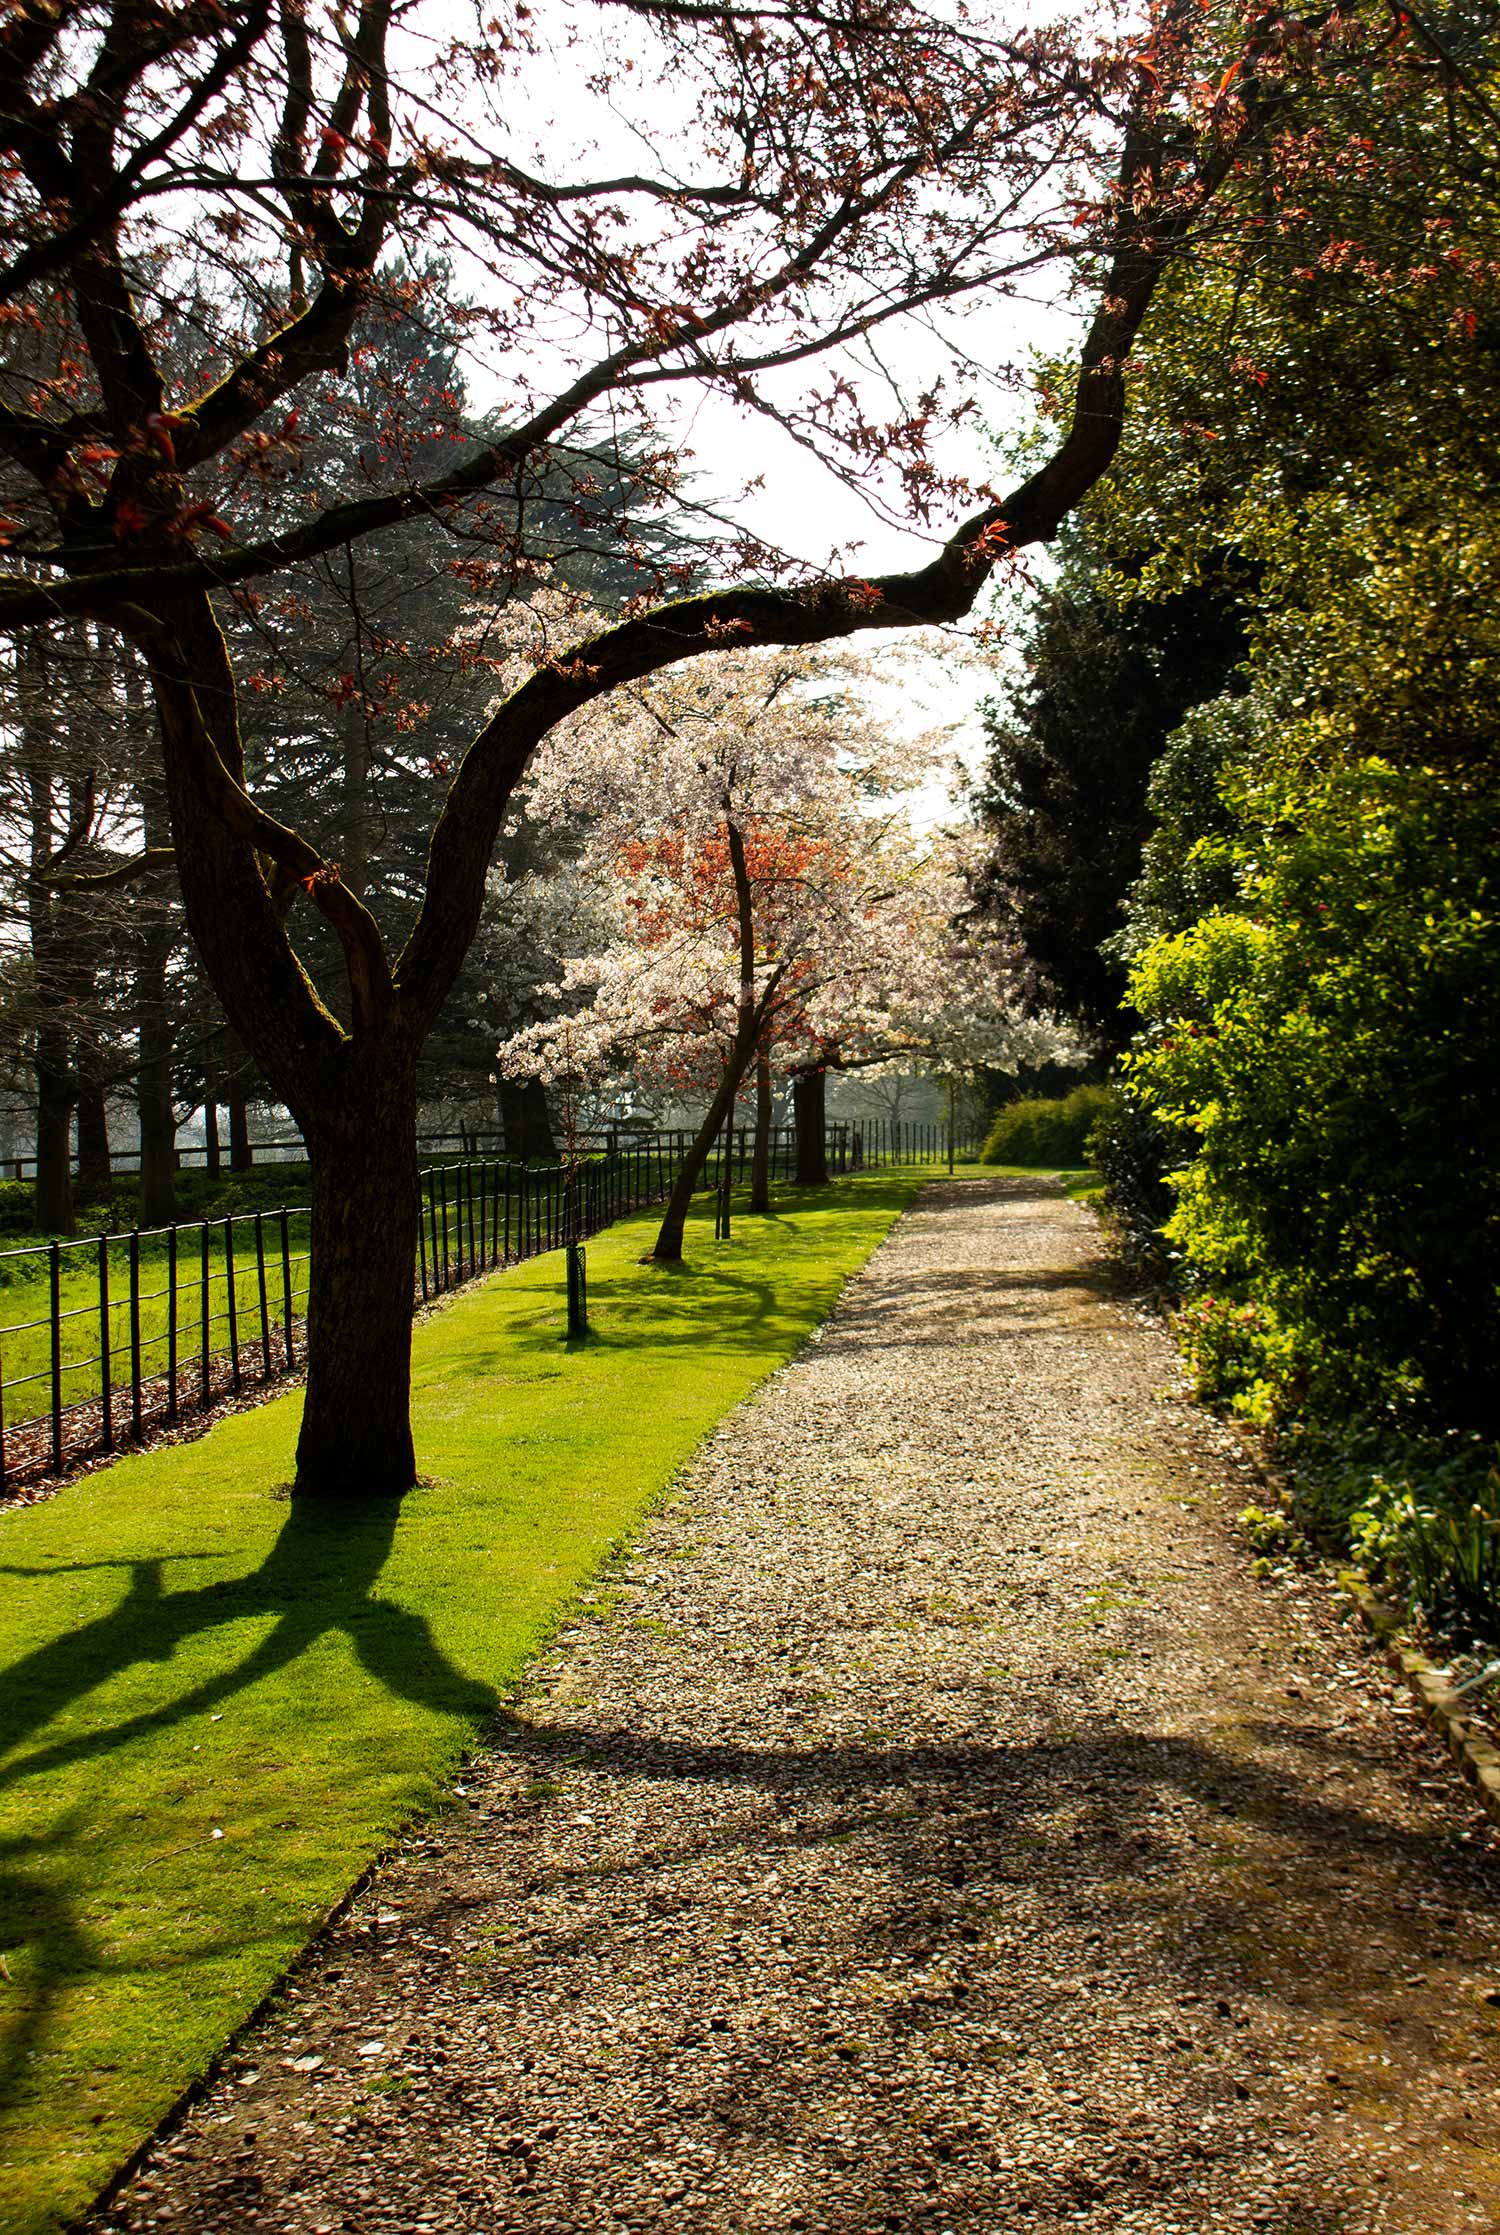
pixel 215 1705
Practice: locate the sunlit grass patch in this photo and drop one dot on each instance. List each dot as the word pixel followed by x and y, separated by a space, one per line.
pixel 216 1705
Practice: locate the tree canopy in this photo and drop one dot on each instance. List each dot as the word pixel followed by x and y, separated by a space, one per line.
pixel 639 202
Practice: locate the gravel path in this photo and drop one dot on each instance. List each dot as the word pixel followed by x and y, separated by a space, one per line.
pixel 933 1826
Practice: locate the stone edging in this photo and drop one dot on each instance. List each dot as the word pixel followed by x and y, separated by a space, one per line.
pixel 1465 1739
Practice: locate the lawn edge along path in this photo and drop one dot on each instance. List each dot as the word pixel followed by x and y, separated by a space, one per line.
pixel 217 1707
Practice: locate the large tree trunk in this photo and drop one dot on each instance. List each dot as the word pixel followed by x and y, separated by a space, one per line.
pixel 153 1080
pixel 155 1038
pixel 241 1154
pixel 809 1109
pixel 157 1120
pixel 356 1439
pixel 527 1120
pixel 52 1195
pixel 760 1162
pixel 93 1127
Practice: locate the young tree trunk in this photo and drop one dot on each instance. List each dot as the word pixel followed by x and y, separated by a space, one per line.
pixel 760 1162
pixel 211 1137
pixel 749 1020
pixel 241 1154
pixel 809 1109
pixel 668 1245
pixel 52 1197
pixel 356 1439
pixel 93 1127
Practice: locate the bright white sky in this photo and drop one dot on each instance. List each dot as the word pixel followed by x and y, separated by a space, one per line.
pixel 802 508
pixel 937 678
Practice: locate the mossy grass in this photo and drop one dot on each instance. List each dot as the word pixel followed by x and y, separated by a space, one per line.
pixel 217 1704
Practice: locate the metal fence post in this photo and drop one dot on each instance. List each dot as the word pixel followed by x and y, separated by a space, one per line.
pixel 106 1394
pixel 286 1286
pixel 172 1323
pixel 205 1371
pixel 135 1331
pixel 233 1306
pixel 265 1308
pixel 54 1290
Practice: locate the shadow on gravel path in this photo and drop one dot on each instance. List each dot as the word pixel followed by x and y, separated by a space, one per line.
pixel 933 1826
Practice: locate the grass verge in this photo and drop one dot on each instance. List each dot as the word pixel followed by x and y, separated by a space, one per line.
pixel 215 1706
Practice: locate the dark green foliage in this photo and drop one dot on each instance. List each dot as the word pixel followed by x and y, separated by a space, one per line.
pixel 1422 1513
pixel 1064 795
pixel 115 1210
pixel 1330 1045
pixel 1133 1152
pixel 1187 863
pixel 1047 1135
pixel 1034 1082
pixel 1314 936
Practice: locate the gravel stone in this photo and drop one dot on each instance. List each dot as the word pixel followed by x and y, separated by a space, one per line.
pixel 932 1825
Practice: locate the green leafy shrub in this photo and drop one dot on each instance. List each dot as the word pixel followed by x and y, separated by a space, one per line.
pixel 1274 1537
pixel 1329 1047
pixel 1238 1356
pixel 1434 1538
pixel 1421 1513
pixel 1047 1135
pixel 264 1188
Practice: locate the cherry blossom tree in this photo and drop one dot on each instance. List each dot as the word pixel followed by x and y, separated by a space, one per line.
pixel 773 901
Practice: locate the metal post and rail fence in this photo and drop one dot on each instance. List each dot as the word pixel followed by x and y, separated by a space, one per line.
pixel 465 1142
pixel 114 1337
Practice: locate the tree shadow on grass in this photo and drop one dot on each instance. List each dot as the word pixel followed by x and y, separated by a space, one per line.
pixel 318 1578
pixel 37 1915
pixel 694 1305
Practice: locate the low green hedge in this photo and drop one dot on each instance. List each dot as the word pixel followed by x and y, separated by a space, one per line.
pixel 1048 1135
